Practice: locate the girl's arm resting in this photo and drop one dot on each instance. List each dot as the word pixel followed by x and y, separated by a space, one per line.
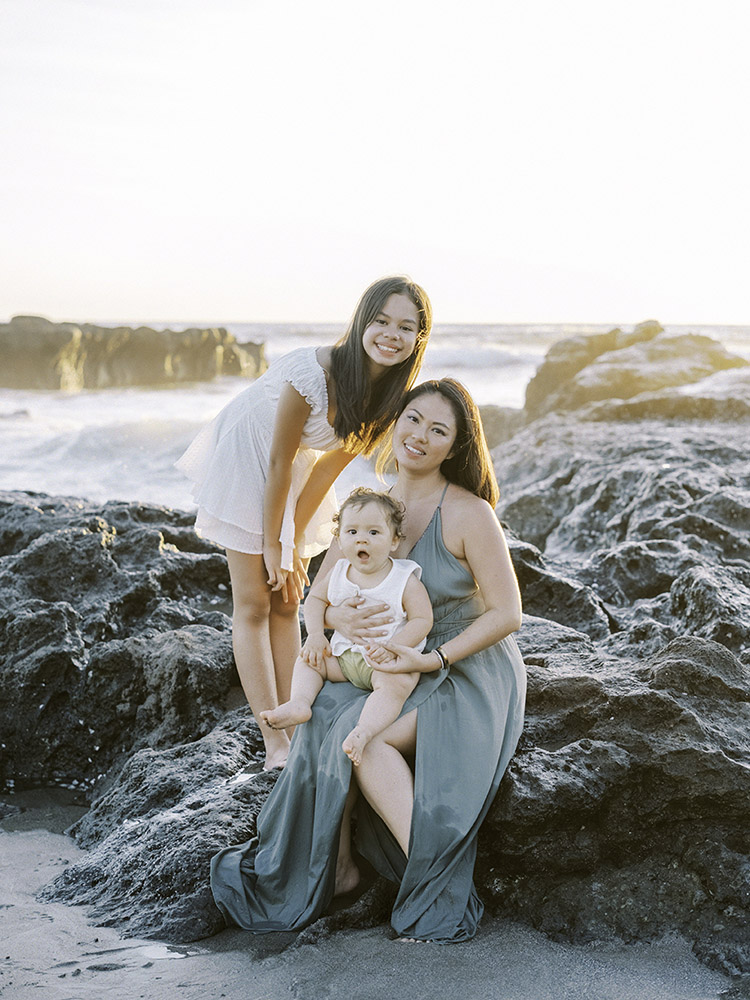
pixel 291 415
pixel 322 476
pixel 316 646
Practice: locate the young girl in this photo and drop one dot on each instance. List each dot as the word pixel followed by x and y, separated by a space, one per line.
pixel 264 468
pixel 369 529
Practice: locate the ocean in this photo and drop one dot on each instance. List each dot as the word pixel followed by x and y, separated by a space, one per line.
pixel 121 444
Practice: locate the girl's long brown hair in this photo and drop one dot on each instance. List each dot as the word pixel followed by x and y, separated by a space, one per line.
pixel 366 409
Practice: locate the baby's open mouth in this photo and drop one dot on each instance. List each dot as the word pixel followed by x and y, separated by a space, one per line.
pixel 363 554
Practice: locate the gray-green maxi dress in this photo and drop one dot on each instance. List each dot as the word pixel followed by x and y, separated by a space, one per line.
pixel 469 721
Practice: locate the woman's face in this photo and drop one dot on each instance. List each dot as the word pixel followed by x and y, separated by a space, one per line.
pixel 424 434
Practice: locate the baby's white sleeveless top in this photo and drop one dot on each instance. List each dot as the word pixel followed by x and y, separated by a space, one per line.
pixel 389 591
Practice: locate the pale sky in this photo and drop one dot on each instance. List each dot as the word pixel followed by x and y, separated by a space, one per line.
pixel 229 160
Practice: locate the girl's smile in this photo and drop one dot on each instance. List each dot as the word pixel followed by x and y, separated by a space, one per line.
pixel 392 335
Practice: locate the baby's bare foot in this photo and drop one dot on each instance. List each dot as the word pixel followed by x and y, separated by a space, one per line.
pixel 354 745
pixel 291 713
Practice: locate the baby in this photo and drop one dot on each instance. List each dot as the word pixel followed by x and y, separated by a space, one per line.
pixel 368 529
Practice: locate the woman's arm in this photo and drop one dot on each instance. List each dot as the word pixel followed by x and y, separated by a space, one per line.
pixel 291 415
pixel 486 554
pixel 476 536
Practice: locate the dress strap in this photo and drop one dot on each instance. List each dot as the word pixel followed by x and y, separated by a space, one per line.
pixel 442 495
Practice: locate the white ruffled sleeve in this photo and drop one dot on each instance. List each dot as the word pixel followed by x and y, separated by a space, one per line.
pixel 302 370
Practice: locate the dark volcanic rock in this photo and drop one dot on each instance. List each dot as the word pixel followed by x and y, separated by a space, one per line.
pixel 654 522
pixel 38 354
pixel 631 804
pixel 152 834
pixel 108 635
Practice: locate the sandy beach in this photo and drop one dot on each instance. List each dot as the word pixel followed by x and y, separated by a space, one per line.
pixel 52 950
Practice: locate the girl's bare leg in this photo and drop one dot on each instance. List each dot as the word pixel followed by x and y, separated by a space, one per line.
pixel 385 778
pixel 286 642
pixel 347 873
pixel 251 641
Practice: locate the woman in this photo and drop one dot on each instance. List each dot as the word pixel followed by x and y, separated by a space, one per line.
pixel 460 725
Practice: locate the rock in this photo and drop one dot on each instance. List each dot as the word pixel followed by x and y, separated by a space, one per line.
pixel 724 395
pixel 559 598
pixel 38 354
pixel 569 356
pixel 500 423
pixel 584 370
pixel 625 810
pixel 633 793
pixel 152 834
pixel 109 637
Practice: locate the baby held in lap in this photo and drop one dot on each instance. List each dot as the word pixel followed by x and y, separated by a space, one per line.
pixel 368 529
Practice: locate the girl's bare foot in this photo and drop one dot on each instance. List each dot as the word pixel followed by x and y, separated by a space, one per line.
pixel 347 877
pixel 291 713
pixel 277 747
pixel 354 745
pixel 276 760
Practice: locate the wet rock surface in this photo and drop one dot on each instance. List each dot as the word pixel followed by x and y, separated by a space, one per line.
pixel 38 354
pixel 626 808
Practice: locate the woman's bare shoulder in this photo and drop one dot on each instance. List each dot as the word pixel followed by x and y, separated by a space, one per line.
pixel 466 515
pixel 461 503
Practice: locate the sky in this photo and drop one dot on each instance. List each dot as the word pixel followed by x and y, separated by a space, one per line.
pixel 265 160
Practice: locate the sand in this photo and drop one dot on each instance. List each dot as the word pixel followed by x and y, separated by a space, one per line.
pixel 53 951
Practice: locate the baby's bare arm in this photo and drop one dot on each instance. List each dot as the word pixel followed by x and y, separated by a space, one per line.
pixel 416 602
pixel 418 610
pixel 316 645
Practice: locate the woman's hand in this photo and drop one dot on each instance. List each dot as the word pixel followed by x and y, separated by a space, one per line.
pixel 405 660
pixel 360 625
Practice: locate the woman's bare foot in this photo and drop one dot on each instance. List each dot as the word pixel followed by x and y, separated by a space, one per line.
pixel 291 713
pixel 347 877
pixel 354 745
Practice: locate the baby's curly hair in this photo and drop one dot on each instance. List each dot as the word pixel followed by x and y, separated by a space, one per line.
pixel 394 510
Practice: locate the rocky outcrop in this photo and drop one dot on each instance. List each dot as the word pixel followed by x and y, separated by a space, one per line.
pixel 626 808
pixel 108 635
pixel 38 354
pixel 619 366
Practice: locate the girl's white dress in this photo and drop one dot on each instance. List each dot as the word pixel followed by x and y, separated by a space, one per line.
pixel 228 461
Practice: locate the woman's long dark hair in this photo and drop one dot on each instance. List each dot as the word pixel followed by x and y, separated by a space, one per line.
pixel 469 464
pixel 366 409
